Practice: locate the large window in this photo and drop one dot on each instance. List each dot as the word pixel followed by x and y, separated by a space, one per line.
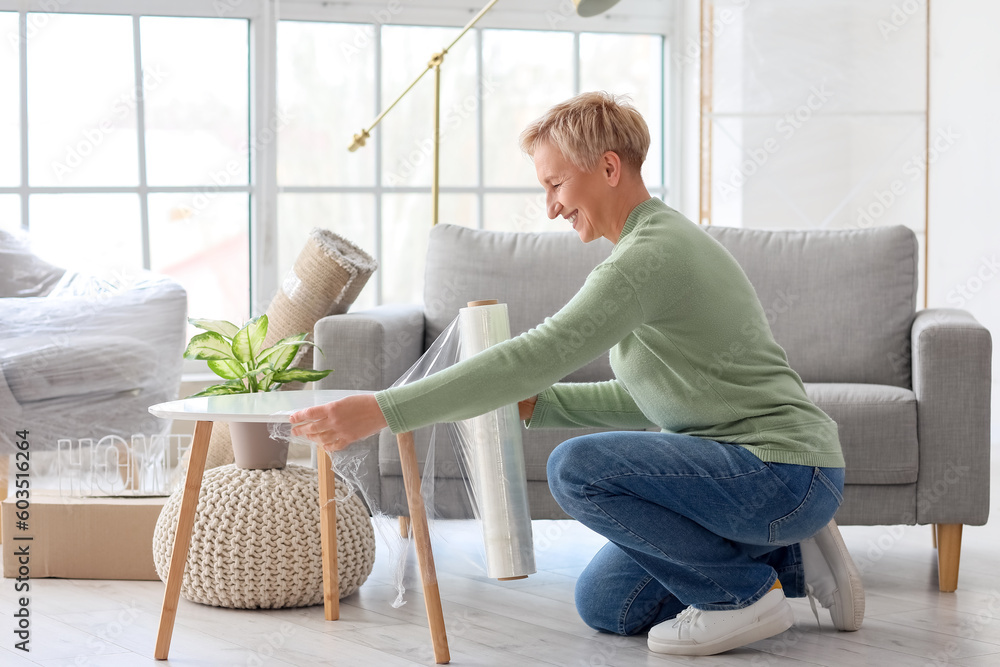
pixel 136 148
pixel 494 82
pixel 208 144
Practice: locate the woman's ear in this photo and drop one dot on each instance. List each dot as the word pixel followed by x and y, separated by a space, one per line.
pixel 611 165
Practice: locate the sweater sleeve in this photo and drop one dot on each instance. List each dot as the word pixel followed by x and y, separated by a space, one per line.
pixel 583 404
pixel 604 311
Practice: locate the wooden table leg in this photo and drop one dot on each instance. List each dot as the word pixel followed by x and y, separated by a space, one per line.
pixel 328 535
pixel 182 538
pixel 425 557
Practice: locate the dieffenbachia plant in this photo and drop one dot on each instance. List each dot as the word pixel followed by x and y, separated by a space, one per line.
pixel 237 354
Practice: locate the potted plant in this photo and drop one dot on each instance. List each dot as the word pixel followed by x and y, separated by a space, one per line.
pixel 237 355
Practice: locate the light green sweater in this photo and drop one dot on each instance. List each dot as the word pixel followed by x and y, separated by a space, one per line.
pixel 691 350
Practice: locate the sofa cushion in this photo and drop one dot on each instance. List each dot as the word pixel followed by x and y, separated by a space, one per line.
pixel 535 274
pixel 22 274
pixel 839 302
pixel 878 430
pixel 45 368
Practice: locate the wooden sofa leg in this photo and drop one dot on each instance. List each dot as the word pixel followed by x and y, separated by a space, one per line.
pixel 404 526
pixel 934 535
pixel 949 541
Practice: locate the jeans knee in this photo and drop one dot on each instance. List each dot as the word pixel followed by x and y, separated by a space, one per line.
pixel 562 470
pixel 589 598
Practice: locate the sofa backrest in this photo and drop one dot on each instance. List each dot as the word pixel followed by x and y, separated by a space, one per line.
pixel 535 274
pixel 839 302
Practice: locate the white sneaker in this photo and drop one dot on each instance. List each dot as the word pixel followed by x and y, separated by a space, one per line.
pixel 698 632
pixel 833 578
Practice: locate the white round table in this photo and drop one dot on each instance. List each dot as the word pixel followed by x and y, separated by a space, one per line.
pixel 276 407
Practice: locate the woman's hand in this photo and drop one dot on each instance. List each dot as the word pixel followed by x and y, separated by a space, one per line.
pixel 526 408
pixel 334 426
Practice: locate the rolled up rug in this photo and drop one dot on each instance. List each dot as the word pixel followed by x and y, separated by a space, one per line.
pixel 326 279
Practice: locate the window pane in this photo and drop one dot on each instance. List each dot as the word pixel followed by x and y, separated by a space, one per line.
pixel 95 232
pixel 320 65
pixel 521 213
pixel 202 241
pixel 351 216
pixel 196 91
pixel 457 209
pixel 10 145
pixel 408 130
pixel 406 222
pixel 528 72
pixel 629 65
pixel 81 101
pixel 10 212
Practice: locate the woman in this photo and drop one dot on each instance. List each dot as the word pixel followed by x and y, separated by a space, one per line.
pixel 708 520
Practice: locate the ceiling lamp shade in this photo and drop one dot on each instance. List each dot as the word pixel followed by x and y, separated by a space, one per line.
pixel 586 8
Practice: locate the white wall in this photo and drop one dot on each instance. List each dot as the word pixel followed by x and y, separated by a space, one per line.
pixel 964 261
pixel 964 216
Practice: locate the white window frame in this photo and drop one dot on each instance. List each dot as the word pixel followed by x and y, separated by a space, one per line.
pixel 672 20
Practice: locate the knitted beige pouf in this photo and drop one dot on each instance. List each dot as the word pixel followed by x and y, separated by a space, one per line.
pixel 256 539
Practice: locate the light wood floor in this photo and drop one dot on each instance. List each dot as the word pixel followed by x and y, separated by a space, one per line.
pixel 528 622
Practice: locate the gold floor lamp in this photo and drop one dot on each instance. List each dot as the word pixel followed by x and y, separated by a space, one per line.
pixel 584 8
pixel 407 454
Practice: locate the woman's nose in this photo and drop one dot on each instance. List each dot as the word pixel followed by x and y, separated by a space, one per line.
pixel 553 207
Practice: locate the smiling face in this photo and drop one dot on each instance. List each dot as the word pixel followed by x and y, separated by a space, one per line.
pixel 578 196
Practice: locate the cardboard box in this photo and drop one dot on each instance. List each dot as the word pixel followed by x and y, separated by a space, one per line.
pixel 83 538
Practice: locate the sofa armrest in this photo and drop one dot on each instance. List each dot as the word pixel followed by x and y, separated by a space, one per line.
pixel 951 380
pixel 369 349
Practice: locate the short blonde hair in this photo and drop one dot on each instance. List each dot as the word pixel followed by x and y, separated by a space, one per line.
pixel 585 127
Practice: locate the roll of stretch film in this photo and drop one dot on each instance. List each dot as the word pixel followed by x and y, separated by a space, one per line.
pixel 495 457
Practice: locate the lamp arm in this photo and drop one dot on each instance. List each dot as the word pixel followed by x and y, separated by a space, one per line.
pixel 435 61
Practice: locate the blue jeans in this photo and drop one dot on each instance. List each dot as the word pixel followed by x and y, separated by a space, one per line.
pixel 690 522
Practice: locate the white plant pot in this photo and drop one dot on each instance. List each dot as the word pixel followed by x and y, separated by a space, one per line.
pixel 255 449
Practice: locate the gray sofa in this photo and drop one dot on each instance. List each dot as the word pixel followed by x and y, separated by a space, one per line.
pixel 910 391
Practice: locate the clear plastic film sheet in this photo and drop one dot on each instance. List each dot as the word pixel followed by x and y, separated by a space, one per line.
pixel 490 459
pixel 84 354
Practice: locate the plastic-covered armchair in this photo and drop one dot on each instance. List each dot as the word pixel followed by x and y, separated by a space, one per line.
pixel 83 356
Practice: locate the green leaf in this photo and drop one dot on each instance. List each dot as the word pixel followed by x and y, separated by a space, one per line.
pixel 221 390
pixel 227 368
pixel 300 375
pixel 281 354
pixel 226 329
pixel 209 345
pixel 248 340
pixel 263 368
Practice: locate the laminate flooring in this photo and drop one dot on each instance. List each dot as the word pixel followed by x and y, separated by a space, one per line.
pixel 533 621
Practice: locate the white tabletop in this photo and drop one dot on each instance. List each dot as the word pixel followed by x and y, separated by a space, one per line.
pixel 269 406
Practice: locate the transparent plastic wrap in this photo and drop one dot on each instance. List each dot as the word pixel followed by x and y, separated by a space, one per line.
pixel 488 451
pixel 84 355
